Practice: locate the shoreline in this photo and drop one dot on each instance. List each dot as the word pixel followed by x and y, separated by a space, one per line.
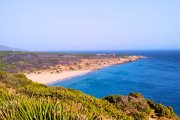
pixel 68 78
pixel 50 78
pixel 80 74
pixel 47 77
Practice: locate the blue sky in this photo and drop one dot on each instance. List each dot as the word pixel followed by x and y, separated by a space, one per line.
pixel 90 24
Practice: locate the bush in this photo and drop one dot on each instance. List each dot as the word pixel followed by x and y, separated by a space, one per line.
pixel 71 68
pixel 135 94
pixel 140 116
pixel 3 74
pixel 112 98
pixel 20 75
pixel 161 110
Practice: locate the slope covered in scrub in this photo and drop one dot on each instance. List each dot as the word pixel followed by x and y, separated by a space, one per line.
pixel 22 99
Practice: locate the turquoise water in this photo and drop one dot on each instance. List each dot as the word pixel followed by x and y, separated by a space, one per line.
pixel 157 77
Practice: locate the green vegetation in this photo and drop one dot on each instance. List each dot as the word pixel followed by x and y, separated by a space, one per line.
pixel 22 99
pixel 139 108
pixel 25 108
pixel 136 95
pixel 161 110
pixel 134 105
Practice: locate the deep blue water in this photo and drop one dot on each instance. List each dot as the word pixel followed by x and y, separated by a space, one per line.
pixel 157 77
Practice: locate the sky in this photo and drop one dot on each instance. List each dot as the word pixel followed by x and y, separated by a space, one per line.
pixel 41 25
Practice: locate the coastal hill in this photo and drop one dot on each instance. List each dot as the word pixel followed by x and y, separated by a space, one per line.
pixel 22 99
pixel 54 62
pixel 6 48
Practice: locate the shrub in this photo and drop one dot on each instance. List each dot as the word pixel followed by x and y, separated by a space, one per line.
pixel 20 75
pixel 140 116
pixel 112 98
pixel 71 68
pixel 135 94
pixel 3 74
pixel 161 110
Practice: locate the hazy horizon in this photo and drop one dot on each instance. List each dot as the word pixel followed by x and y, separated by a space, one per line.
pixel 92 50
pixel 90 25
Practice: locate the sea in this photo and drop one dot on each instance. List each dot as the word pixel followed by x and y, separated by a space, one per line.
pixel 157 77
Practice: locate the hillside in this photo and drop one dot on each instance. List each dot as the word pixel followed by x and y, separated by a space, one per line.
pixel 57 62
pixel 22 99
pixel 6 48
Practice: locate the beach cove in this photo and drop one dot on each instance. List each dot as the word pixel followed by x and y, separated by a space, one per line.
pixel 48 76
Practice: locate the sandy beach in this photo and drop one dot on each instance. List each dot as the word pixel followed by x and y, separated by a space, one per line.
pixel 47 76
